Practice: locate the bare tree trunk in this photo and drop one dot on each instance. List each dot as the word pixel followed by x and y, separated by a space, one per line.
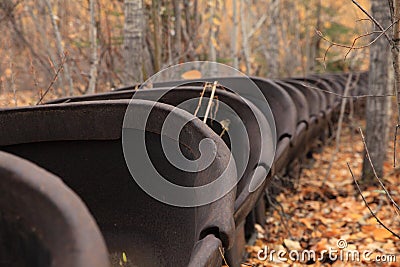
pixel 315 41
pixel 93 47
pixel 156 34
pixel 60 46
pixel 133 41
pixel 273 39
pixel 178 30
pixel 308 42
pixel 213 51
pixel 377 107
pixel 245 40
pixel 234 39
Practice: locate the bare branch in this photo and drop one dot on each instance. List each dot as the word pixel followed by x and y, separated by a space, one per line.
pixel 391 7
pixel 210 101
pixel 201 98
pixel 339 130
pixel 357 38
pixel 375 174
pixel 60 68
pixel 326 54
pixel 353 47
pixel 222 255
pixel 394 145
pixel 373 20
pixel 342 96
pixel 258 24
pixel 366 204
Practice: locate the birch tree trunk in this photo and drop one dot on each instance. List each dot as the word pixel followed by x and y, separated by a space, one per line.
pixel 93 49
pixel 60 46
pixel 133 41
pixel 377 107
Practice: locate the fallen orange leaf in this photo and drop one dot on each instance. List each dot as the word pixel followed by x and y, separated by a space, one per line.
pixel 380 234
pixel 191 74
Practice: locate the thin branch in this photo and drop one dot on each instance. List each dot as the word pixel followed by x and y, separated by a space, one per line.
pixel 366 204
pixel 342 96
pixel 373 169
pixel 352 47
pixel 279 208
pixel 359 20
pixel 33 73
pixel 223 257
pixel 374 20
pixel 210 101
pixel 258 24
pixel 394 145
pixel 357 38
pixel 339 130
pixel 201 99
pixel 391 7
pixel 60 68
pixel 216 108
pixel 326 54
pixel 11 66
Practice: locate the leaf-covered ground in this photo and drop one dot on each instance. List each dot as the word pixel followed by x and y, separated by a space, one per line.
pixel 320 215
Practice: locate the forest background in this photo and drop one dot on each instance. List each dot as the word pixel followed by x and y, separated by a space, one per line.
pixel 75 47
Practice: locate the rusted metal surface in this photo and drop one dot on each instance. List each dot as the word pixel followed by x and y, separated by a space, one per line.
pixel 42 221
pixel 244 200
pixel 81 143
pixel 300 146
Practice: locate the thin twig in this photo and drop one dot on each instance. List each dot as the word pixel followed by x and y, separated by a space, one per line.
pixel 367 216
pixel 394 149
pixel 216 108
pixel 353 47
pixel 358 20
pixel 339 130
pixel 60 68
pixel 375 21
pixel 225 126
pixel 373 169
pixel 201 99
pixel 248 264
pixel 33 72
pixel 366 204
pixel 326 54
pixel 342 96
pixel 14 89
pixel 280 211
pixel 222 255
pixel 210 101
pixel 258 24
pixel 356 39
pixel 391 7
